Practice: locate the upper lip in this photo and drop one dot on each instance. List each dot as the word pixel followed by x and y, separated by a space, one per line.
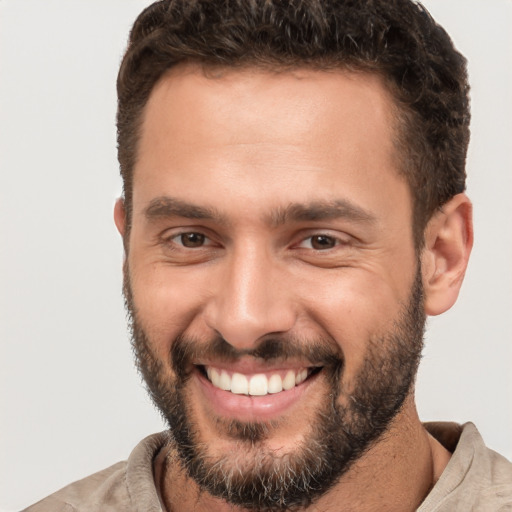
pixel 247 366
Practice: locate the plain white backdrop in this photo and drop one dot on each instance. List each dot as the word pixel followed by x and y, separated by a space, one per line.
pixel 71 401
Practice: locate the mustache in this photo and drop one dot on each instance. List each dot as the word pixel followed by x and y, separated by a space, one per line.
pixel 185 351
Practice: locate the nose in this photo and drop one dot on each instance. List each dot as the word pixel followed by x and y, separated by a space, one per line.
pixel 251 299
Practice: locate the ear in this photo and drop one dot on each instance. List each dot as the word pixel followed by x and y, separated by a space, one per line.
pixel 120 216
pixel 444 259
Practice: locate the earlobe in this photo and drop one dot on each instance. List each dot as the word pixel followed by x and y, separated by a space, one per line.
pixel 448 243
pixel 120 216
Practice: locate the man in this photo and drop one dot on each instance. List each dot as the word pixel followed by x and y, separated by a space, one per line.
pixel 293 208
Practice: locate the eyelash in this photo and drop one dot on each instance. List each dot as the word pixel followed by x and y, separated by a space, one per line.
pixel 173 239
pixel 335 240
pixel 177 239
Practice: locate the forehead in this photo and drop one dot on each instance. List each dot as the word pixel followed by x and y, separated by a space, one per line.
pixel 191 95
pixel 289 133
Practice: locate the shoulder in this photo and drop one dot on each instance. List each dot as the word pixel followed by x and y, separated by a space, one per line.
pixel 89 494
pixel 476 478
pixel 125 486
pixel 495 474
pixel 485 465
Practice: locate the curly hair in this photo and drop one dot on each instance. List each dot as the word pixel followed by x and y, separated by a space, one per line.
pixel 397 39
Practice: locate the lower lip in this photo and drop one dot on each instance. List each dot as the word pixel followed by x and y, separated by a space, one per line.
pixel 252 408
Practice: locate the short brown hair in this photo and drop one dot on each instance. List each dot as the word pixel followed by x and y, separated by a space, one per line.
pixel 397 39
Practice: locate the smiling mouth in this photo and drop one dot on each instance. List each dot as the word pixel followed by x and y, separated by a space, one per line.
pixel 259 384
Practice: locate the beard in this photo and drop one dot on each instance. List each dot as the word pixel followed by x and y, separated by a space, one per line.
pixel 346 424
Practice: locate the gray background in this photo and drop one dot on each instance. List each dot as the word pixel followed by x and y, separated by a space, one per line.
pixel 70 401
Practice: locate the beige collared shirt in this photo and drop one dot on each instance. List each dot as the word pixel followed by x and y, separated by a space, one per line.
pixel 476 479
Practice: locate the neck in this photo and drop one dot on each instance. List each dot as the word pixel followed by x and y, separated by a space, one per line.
pixel 395 474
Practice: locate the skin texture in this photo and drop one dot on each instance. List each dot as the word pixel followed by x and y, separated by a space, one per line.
pixel 245 145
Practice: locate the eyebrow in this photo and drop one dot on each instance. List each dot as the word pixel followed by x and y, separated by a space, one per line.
pixel 168 207
pixel 320 211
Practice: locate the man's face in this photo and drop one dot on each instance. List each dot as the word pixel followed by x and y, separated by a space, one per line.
pixel 271 253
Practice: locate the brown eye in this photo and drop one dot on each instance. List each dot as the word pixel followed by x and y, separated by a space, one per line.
pixel 320 242
pixel 192 240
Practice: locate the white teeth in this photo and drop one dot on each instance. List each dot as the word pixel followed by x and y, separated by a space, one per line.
pixel 289 380
pixel 215 377
pixel 225 381
pixel 257 385
pixel 239 384
pixel 275 384
pixel 301 376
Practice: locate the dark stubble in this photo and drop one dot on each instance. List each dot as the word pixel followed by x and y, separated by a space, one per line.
pixel 252 476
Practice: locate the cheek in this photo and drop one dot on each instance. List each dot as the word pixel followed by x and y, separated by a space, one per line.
pixel 355 308
pixel 166 302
